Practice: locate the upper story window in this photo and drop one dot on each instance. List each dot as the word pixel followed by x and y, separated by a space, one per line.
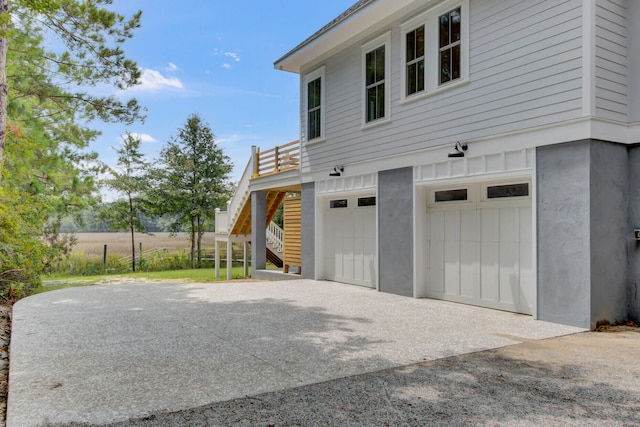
pixel 450 36
pixel 376 69
pixel 415 60
pixel 375 83
pixel 314 105
pixel 314 108
pixel 435 49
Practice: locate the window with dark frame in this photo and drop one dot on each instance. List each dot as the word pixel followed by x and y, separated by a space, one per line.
pixel 508 190
pixel 415 60
pixel 451 195
pixel 375 81
pixel 339 203
pixel 450 44
pixel 314 101
pixel 366 201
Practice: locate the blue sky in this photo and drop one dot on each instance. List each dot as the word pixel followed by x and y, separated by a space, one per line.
pixel 215 58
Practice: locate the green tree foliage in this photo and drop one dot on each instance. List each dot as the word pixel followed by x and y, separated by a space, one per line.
pixel 191 180
pixel 89 37
pixel 23 255
pixel 129 181
pixel 45 106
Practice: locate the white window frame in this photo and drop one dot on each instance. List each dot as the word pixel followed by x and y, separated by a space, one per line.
pixel 429 19
pixel 383 40
pixel 308 78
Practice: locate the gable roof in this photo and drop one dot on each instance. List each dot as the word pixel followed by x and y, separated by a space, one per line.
pixel 360 4
pixel 363 17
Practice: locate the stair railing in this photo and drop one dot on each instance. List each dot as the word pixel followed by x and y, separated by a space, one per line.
pixel 239 196
pixel 275 236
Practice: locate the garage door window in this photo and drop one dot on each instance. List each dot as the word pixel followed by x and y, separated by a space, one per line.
pixel 451 195
pixel 340 203
pixel 366 201
pixel 509 190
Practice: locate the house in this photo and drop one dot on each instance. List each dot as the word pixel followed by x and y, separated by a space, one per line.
pixel 477 151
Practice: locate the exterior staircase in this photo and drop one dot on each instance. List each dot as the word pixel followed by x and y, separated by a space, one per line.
pixel 234 224
pixel 237 219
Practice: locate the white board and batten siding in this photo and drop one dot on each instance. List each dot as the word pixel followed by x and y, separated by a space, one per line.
pixel 611 68
pixel 525 70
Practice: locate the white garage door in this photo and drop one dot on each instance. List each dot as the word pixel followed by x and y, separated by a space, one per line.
pixel 350 251
pixel 480 246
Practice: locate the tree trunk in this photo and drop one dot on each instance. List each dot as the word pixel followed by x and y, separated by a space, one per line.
pixel 199 242
pixel 193 241
pixel 4 87
pixel 133 239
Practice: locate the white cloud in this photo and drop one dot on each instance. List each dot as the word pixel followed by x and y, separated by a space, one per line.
pixel 154 81
pixel 143 137
pixel 171 67
pixel 232 55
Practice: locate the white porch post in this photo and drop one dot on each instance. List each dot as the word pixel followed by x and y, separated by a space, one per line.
pixel 229 260
pixel 217 258
pixel 245 259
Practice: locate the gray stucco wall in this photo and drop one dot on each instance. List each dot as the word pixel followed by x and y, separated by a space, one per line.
pixel 582 225
pixel 562 173
pixel 610 231
pixel 258 231
pixel 395 231
pixel 633 246
pixel 308 230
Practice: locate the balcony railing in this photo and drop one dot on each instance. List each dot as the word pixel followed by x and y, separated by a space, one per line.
pixel 276 160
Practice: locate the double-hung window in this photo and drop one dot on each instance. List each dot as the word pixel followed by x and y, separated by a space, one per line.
pixel 449 46
pixel 314 108
pixel 435 49
pixel 314 104
pixel 376 72
pixel 414 48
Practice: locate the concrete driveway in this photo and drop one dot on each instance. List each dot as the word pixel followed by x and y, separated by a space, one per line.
pixel 109 353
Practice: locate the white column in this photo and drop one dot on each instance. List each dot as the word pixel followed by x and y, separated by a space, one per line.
pixel 217 258
pixel 229 260
pixel 245 259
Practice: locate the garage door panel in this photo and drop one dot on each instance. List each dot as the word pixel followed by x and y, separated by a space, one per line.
pixel 509 220
pixel 350 245
pixel 436 226
pixel 480 251
pixel 469 266
pixel 452 267
pixel 436 266
pixel 489 276
pixel 489 225
pixel 509 272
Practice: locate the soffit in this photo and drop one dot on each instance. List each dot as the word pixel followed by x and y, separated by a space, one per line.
pixel 363 16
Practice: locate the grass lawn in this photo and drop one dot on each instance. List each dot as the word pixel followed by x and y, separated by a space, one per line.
pixel 199 275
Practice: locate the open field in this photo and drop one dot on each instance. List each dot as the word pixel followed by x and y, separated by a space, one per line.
pixel 92 244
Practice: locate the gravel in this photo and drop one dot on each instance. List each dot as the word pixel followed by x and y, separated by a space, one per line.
pixel 586 379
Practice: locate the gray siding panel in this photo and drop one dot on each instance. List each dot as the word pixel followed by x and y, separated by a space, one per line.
pixel 525 70
pixel 611 60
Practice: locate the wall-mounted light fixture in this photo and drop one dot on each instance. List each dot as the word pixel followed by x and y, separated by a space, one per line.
pixel 337 171
pixel 458 150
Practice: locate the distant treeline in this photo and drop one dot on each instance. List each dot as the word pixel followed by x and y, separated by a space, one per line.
pixel 88 221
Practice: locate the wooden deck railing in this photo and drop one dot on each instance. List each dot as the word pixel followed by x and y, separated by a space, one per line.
pixel 277 160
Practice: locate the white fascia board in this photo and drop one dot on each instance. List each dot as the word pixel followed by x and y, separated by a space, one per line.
pixel 344 33
pixel 575 130
pixel 284 179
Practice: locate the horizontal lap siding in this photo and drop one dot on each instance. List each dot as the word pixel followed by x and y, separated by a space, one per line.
pixel 525 70
pixel 611 60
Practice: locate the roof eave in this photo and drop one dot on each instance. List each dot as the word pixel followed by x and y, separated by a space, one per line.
pixel 361 16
